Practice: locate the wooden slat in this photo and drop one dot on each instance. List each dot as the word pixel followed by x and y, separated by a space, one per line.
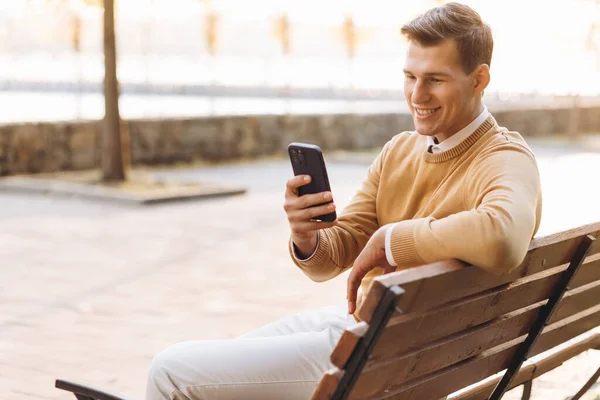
pixel 443 353
pixel 327 385
pixel 346 344
pixel 424 285
pixel 531 370
pixel 467 372
pixel 462 314
pixel 525 374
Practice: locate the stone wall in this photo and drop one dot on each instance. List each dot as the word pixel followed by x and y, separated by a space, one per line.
pixel 48 147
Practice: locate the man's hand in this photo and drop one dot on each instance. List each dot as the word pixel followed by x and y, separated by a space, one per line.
pixel 372 256
pixel 300 213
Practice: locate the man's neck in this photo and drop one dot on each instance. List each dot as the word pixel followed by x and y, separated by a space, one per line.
pixel 477 110
pixel 435 147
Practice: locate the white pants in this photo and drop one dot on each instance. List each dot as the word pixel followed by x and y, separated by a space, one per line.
pixel 282 360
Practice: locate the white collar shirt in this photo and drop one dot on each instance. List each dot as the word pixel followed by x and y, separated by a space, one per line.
pixel 459 136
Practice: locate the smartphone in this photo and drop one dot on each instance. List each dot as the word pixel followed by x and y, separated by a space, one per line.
pixel 307 159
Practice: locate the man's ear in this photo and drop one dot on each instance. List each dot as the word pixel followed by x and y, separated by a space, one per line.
pixel 481 77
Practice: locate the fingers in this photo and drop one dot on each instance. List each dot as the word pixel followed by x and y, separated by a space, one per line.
pixel 310 213
pixel 295 203
pixel 308 200
pixel 306 227
pixel 307 207
pixel 292 185
pixel 354 279
pixel 359 270
pixel 303 210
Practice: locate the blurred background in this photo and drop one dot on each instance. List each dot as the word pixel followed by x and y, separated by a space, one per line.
pixel 211 93
pixel 270 57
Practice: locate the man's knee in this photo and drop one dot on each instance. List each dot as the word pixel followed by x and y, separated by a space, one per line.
pixel 160 363
pixel 161 383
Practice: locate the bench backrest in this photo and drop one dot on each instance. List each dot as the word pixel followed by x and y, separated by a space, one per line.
pixel 433 330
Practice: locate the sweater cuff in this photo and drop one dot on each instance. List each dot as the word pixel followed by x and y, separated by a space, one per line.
pixel 319 256
pixel 403 245
pixel 297 255
pixel 388 246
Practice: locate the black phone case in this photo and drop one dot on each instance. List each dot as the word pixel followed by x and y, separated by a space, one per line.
pixel 307 159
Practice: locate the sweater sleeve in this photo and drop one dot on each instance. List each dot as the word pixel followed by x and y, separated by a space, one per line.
pixel 503 189
pixel 339 246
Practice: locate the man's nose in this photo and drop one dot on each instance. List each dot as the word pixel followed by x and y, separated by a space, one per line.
pixel 420 94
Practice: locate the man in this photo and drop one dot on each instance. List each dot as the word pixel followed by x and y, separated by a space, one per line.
pixel 459 186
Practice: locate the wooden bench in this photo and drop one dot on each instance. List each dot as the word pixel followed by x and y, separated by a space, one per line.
pixel 434 330
pixel 431 331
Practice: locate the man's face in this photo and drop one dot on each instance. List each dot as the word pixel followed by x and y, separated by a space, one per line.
pixel 442 98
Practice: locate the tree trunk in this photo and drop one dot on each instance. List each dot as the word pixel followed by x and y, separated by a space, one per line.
pixel 112 157
pixel 574 117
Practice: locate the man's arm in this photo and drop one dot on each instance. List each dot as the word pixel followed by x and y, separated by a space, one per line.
pixel 338 247
pixel 504 191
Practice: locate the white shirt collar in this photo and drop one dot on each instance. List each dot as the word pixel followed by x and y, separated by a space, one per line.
pixel 459 136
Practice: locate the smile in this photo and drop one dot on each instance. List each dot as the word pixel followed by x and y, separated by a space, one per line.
pixel 425 112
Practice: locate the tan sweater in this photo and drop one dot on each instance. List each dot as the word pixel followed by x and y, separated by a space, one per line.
pixel 479 202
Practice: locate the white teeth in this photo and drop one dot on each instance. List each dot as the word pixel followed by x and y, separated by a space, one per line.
pixel 425 112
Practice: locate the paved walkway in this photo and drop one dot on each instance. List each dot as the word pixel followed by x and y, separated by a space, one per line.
pixel 90 290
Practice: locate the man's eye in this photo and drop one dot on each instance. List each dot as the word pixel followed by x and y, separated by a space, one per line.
pixel 435 80
pixel 409 77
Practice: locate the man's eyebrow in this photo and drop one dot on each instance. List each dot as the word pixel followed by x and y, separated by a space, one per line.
pixel 436 74
pixel 428 73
